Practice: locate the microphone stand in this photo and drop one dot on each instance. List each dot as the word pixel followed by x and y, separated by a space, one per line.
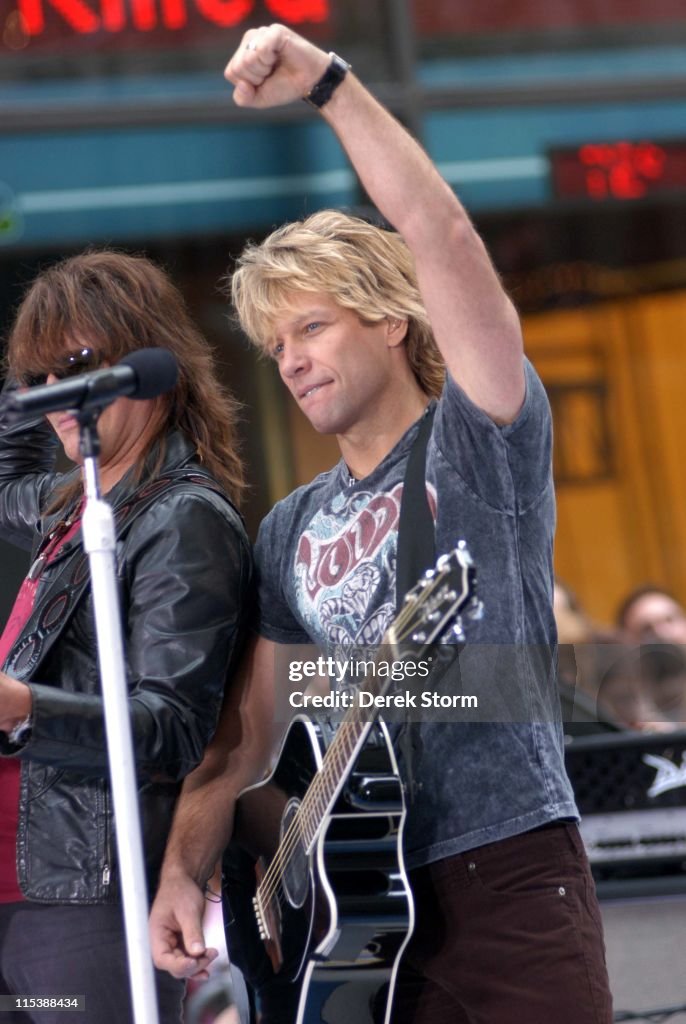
pixel 99 542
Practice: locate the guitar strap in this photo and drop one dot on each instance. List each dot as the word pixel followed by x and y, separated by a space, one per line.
pixel 416 549
pixel 416 552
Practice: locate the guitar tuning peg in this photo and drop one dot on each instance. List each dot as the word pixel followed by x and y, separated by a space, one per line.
pixel 419 637
pixel 454 634
pixel 475 611
pixel 463 555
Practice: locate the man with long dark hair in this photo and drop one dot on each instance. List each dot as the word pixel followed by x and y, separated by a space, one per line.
pixel 171 470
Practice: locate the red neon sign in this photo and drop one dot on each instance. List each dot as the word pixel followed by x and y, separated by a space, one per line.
pixel 619 170
pixel 85 17
pixel 622 170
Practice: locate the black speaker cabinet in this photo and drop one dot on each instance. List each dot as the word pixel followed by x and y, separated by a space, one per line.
pixel 631 792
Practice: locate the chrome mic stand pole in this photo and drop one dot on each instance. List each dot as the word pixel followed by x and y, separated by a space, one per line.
pixel 99 542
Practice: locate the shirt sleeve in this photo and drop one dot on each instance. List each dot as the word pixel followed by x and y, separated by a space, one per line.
pixel 506 467
pixel 274 552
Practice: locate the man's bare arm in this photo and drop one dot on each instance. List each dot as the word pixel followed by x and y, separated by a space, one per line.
pixel 475 324
pixel 237 757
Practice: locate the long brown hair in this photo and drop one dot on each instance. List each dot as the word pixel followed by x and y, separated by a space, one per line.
pixel 117 303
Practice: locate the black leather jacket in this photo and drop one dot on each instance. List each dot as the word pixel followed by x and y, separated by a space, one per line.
pixel 184 569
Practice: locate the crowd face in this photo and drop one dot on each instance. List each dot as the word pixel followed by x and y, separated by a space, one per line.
pixel 626 700
pixel 656 616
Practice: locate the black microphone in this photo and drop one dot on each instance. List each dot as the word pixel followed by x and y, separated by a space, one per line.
pixel 147 373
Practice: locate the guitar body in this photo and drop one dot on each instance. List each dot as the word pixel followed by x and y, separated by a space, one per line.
pixel 319 928
pixel 340 916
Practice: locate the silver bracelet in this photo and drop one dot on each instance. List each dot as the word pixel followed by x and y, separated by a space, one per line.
pixel 19 733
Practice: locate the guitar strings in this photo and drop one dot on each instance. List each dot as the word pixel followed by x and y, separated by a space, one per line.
pixel 274 875
pixel 347 731
pixel 294 833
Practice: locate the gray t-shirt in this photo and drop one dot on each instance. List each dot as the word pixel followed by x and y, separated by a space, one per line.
pixel 326 564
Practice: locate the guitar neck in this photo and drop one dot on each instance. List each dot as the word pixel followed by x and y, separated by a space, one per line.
pixel 343 750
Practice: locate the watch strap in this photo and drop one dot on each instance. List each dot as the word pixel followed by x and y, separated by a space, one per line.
pixel 322 91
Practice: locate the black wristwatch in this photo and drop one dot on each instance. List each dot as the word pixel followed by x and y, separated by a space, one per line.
pixel 323 90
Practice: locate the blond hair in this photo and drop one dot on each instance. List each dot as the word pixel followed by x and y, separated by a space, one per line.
pixel 362 267
pixel 116 303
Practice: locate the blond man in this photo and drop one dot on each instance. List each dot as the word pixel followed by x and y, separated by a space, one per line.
pixel 364 326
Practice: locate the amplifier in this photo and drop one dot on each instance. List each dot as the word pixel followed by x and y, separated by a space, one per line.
pixel 631 791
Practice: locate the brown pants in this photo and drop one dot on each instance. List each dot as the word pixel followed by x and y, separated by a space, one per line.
pixel 508 933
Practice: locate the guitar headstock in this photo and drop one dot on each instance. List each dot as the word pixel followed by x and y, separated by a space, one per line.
pixel 434 609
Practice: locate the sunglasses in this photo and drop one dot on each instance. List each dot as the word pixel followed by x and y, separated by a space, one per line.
pixel 81 361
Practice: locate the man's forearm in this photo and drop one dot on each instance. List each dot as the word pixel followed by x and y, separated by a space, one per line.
pixel 236 758
pixel 202 828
